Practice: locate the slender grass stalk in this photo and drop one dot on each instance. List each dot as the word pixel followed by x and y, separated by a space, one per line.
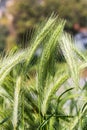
pixel 15 107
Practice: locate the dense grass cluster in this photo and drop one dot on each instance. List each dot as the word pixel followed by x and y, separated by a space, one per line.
pixel 47 95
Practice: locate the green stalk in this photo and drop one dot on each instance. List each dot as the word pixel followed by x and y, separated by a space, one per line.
pixel 15 107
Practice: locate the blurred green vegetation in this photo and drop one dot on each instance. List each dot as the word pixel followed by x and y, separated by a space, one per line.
pixel 27 14
pixel 3 34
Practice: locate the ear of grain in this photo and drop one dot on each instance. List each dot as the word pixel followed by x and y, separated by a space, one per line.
pixel 46 57
pixel 40 36
pixel 16 102
pixel 71 59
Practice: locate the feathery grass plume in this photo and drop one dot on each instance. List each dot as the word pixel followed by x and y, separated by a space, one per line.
pixel 9 62
pixel 67 47
pixel 47 52
pixel 50 90
pixel 16 99
pixel 41 34
pixel 46 56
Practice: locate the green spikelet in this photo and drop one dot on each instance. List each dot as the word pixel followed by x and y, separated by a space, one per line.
pixel 46 55
pixel 16 99
pixel 40 36
pixel 71 59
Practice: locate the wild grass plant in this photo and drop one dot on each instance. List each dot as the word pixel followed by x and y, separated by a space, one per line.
pixel 47 95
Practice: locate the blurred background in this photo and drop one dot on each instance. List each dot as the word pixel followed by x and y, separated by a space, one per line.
pixel 19 18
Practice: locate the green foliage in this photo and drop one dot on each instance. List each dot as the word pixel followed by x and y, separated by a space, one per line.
pixel 3 34
pixel 36 97
pixel 27 14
